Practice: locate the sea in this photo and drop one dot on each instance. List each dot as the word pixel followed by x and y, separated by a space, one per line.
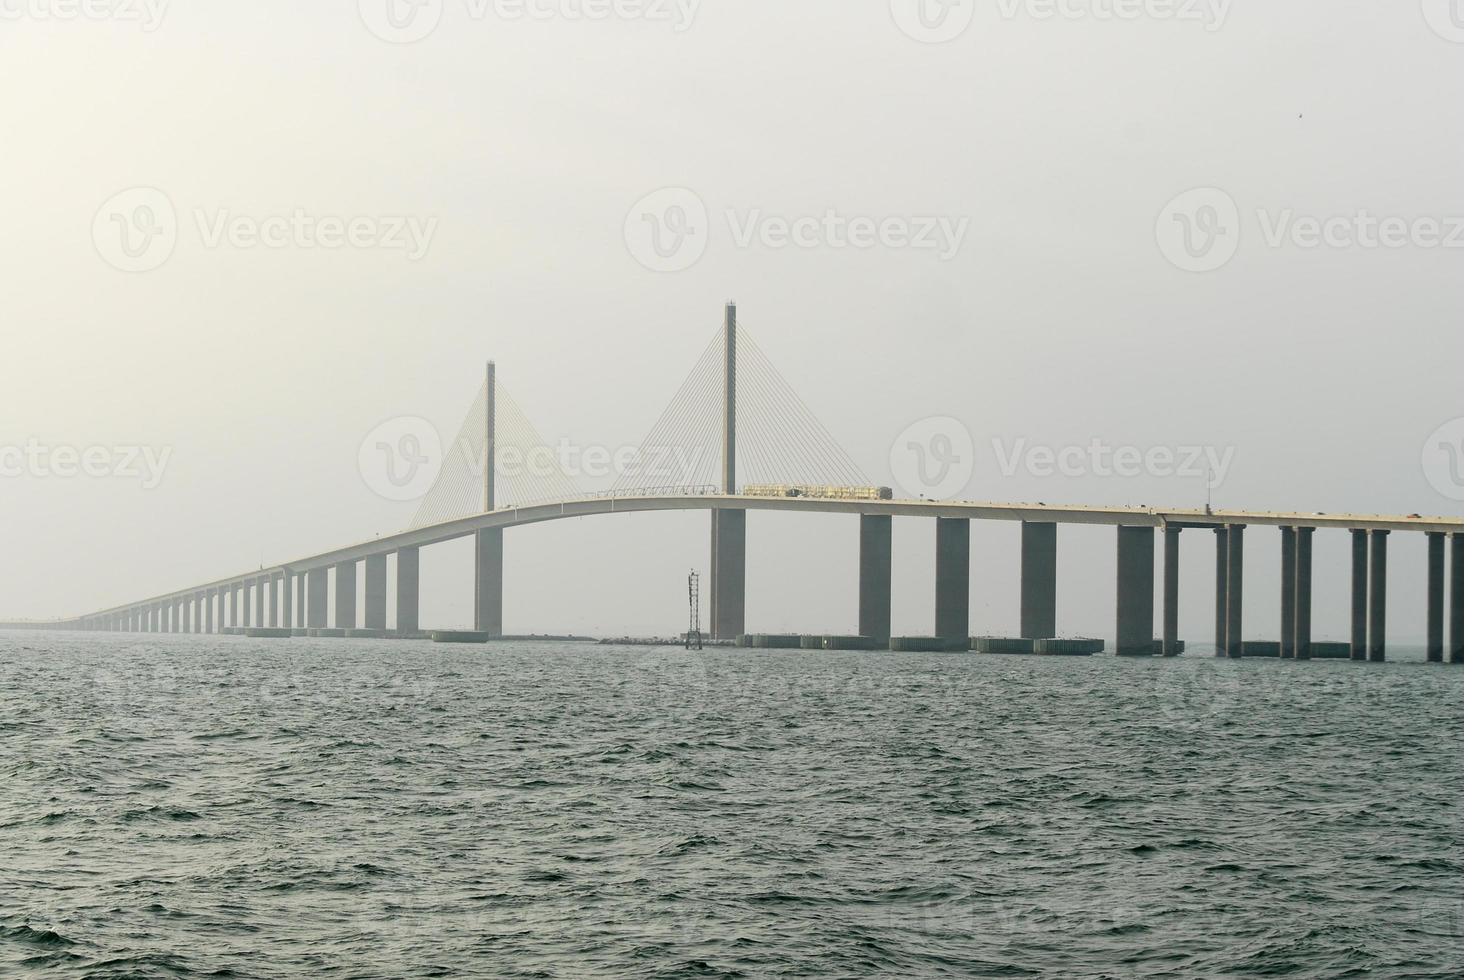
pixel 181 806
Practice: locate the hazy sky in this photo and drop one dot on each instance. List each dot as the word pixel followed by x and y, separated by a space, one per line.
pixel 484 191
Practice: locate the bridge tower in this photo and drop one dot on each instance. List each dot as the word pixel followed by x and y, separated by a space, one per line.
pixel 488 558
pixel 729 527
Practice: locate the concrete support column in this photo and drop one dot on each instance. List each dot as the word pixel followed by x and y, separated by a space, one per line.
pixel 1039 581
pixel 409 576
pixel 376 592
pixel 301 605
pixel 1222 587
pixel 240 599
pixel 1171 591
pixel 1456 599
pixel 1135 631
pixel 1436 547
pixel 1359 595
pixel 1235 592
pixel 488 581
pixel 953 578
pixel 345 595
pixel 273 591
pixel 876 564
pixel 1377 619
pixel 1288 593
pixel 1303 634
pixel 317 603
pixel 208 610
pixel 287 601
pixel 729 574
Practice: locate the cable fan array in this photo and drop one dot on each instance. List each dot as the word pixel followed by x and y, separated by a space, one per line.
pixel 527 469
pixel 779 439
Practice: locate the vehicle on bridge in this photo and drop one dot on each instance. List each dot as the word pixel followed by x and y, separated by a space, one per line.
pixel 821 493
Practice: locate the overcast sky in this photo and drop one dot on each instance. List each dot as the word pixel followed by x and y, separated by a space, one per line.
pixel 1192 225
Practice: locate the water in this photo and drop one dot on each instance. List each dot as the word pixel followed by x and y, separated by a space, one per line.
pixel 184 807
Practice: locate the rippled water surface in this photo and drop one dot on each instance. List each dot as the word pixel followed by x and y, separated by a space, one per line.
pixel 189 807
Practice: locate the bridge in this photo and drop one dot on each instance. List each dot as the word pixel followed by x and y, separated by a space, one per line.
pixel 470 501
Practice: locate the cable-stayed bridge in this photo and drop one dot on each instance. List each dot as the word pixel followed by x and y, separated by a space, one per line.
pixel 736 439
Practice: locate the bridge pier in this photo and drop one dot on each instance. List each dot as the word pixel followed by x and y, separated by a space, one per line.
pixel 1039 581
pixel 316 603
pixel 376 592
pixel 876 573
pixel 1302 644
pixel 729 574
pixel 488 582
pixel 1359 595
pixel 409 576
pixel 1288 593
pixel 953 578
pixel 1436 546
pixel 1222 589
pixel 1171 591
pixel 1135 630
pixel 287 601
pixel 1235 592
pixel 241 619
pixel 1377 626
pixel 209 598
pixel 1456 599
pixel 345 591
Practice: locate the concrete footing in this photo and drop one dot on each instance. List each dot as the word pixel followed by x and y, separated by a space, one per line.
pixel 460 636
pixel 330 633
pixel 1003 645
pixel 771 641
pixel 367 634
pixel 268 633
pixel 855 643
pixel 930 644
pixel 1070 648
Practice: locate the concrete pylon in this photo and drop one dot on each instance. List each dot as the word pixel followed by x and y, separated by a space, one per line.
pixel 1304 537
pixel 953 578
pixel 345 593
pixel 1235 592
pixel 376 592
pixel 1135 614
pixel 876 571
pixel 1359 595
pixel 729 527
pixel 317 602
pixel 1039 581
pixel 409 576
pixel 1222 589
pixel 1456 599
pixel 488 581
pixel 1437 544
pixel 1377 612
pixel 1288 593
pixel 1171 591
